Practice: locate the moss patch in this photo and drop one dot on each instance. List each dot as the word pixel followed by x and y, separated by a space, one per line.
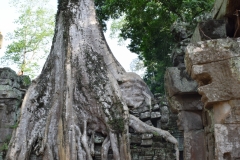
pixel 117 124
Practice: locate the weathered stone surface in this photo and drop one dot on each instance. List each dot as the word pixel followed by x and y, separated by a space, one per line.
pixel 165 114
pixel 194 146
pixel 7 91
pixel 145 115
pixel 146 142
pixel 227 141
pixel 188 102
pixel 211 51
pixel 155 107
pixel 210 29
pixel 178 82
pixel 12 89
pixel 147 136
pixel 155 115
pixel 215 66
pixel 134 112
pixel 143 109
pixel 234 115
pixel 134 91
pixel 188 121
pixel 136 138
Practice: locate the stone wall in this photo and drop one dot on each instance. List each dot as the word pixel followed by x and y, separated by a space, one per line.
pixel 12 90
pixel 215 65
pixel 186 104
pixel 208 108
pixel 149 146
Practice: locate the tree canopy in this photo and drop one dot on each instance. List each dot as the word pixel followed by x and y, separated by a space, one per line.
pixel 147 25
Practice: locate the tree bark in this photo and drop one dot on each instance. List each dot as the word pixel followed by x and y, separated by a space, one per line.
pixel 78 94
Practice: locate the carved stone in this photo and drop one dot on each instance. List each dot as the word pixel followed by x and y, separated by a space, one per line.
pixel 215 66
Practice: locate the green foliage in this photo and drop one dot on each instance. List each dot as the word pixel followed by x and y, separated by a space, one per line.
pixel 14 126
pixel 32 38
pixel 26 80
pixel 4 146
pixel 116 25
pixel 117 124
pixel 155 134
pixel 147 24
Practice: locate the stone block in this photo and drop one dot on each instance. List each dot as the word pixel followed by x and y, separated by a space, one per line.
pixel 226 112
pixel 189 102
pixel 211 51
pixel 155 115
pixel 157 144
pixel 188 121
pixel 134 112
pixel 178 82
pixel 155 107
pixel 165 114
pixel 147 136
pixel 194 146
pixel 160 152
pixel 149 152
pixel 136 139
pixel 210 29
pixel 6 82
pixel 145 157
pixel 227 141
pixel 145 115
pixel 143 109
pixel 134 91
pixel 215 66
pixel 8 73
pixel 7 91
pixel 146 142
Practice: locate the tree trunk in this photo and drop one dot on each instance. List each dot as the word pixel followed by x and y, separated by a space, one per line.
pixel 78 94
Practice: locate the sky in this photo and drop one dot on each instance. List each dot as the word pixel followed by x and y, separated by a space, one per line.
pixel 8 15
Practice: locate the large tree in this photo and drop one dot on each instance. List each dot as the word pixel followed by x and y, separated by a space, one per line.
pixel 79 93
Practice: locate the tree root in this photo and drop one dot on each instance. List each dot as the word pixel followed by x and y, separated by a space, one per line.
pixel 105 148
pixel 85 141
pixel 142 127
